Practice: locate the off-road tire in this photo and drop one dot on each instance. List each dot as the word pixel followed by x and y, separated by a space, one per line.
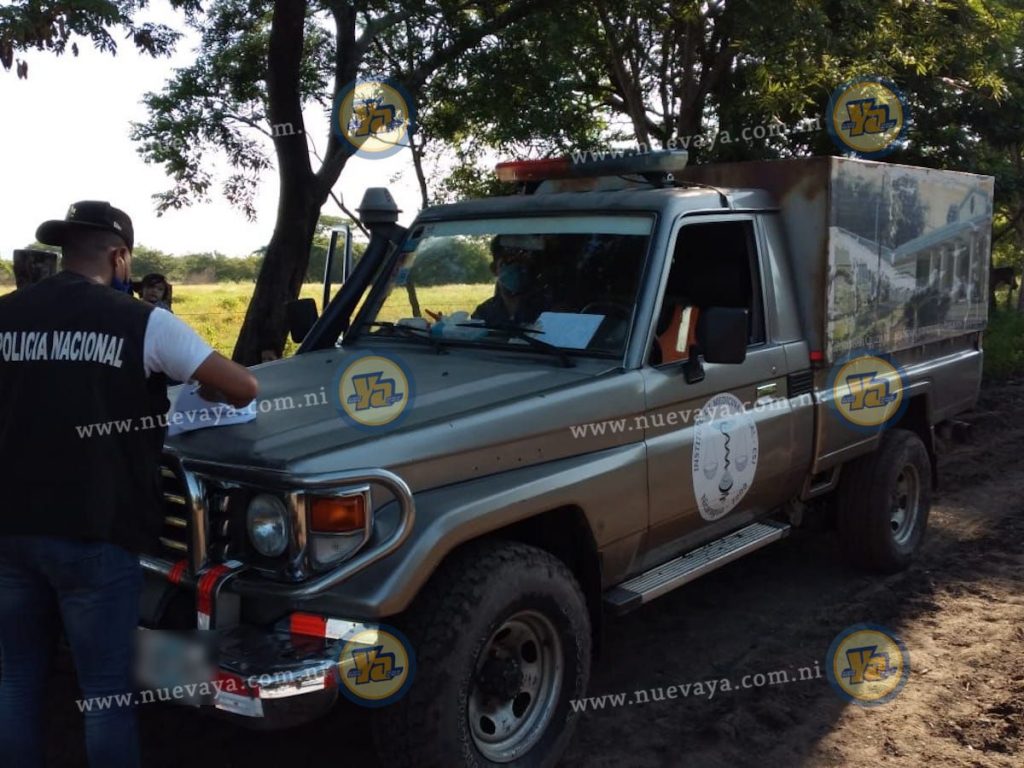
pixel 462 606
pixel 867 494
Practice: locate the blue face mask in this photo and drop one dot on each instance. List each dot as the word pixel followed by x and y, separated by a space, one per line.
pixel 515 278
pixel 124 286
pixel 120 285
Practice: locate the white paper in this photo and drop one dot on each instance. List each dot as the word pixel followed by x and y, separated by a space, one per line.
pixel 191 412
pixel 567 329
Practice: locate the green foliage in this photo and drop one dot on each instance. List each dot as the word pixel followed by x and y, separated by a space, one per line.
pixel 6 272
pixel 1004 345
pixel 51 25
pixel 454 261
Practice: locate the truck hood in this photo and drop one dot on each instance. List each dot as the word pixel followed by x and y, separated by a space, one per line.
pixel 299 412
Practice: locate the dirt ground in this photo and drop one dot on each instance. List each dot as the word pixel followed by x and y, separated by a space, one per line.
pixel 959 610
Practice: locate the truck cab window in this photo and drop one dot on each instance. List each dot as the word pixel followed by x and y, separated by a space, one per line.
pixel 714 265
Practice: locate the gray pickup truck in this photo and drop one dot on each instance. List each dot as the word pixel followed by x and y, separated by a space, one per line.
pixel 661 370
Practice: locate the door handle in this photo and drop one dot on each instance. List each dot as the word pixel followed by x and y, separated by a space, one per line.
pixel 763 390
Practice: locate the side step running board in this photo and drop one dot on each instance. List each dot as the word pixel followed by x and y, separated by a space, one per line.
pixel 684 569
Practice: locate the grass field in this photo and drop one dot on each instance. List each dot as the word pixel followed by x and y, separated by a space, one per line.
pixel 216 311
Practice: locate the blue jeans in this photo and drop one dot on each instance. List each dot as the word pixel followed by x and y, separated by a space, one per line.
pixel 94 588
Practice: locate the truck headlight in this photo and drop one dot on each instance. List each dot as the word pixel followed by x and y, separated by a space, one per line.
pixel 267 522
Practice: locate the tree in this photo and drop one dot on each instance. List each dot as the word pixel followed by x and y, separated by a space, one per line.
pixel 259 63
pixel 51 25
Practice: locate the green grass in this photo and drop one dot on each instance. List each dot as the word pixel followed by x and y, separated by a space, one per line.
pixel 216 311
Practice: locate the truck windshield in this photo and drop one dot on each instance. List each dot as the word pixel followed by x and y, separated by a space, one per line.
pixel 567 281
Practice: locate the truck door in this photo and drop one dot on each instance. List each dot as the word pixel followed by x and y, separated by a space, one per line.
pixel 721 450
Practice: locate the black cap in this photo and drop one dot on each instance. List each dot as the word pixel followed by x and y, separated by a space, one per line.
pixel 87 214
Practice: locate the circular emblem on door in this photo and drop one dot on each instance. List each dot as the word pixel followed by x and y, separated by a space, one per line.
pixel 724 455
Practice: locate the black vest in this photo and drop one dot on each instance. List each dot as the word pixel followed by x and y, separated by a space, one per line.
pixel 81 427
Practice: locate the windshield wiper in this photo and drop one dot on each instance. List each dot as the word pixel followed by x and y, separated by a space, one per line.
pixel 409 331
pixel 523 332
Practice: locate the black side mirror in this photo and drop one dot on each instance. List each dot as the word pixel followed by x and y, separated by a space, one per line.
pixel 722 335
pixel 302 316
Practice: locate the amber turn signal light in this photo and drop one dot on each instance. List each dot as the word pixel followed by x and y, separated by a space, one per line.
pixel 337 514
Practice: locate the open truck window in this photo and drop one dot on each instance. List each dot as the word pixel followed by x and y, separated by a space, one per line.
pixel 714 264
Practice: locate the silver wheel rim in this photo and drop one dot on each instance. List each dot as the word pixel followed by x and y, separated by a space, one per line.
pixel 515 687
pixel 906 502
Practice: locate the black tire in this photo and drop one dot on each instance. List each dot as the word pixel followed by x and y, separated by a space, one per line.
pixel 874 489
pixel 476 592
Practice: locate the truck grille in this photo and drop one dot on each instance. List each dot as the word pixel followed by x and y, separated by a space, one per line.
pixel 175 533
pixel 220 537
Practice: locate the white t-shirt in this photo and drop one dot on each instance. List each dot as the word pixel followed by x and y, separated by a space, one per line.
pixel 171 347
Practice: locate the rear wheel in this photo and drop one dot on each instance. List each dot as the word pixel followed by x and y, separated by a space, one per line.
pixel 884 501
pixel 502 638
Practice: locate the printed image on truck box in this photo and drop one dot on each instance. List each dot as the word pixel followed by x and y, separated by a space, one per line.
pixel 908 256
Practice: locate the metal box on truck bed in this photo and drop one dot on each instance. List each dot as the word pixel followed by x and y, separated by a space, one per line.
pixel 886 256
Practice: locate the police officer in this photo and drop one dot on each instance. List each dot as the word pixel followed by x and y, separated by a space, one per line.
pixel 77 506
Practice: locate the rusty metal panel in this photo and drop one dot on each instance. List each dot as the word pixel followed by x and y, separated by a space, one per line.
pixel 800 189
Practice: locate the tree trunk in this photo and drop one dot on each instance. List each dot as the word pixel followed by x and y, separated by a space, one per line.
pixel 1019 226
pixel 280 279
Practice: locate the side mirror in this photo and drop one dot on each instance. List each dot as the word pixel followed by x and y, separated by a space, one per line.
pixel 722 335
pixel 302 316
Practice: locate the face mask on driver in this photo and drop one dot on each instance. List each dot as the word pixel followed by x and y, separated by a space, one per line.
pixel 515 278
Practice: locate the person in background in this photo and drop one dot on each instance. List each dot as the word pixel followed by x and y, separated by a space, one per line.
pixel 154 289
pixel 77 349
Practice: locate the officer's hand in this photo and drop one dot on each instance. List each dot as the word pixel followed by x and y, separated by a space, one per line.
pixel 225 381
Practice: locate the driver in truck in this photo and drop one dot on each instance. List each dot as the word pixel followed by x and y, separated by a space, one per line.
pixel 518 296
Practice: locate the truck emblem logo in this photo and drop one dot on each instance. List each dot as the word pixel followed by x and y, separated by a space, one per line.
pixel 867 664
pixel 724 455
pixel 373 390
pixel 375 666
pixel 867 117
pixel 867 391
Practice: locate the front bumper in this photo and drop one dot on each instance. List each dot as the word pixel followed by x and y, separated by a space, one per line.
pixel 267 674
pixel 275 679
pixel 267 678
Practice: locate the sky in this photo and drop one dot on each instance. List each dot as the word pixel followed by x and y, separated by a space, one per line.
pixel 64 136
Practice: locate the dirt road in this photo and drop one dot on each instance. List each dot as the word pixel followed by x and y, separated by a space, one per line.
pixel 959 611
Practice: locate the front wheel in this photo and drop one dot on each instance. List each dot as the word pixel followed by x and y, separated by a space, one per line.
pixel 884 501
pixel 502 637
